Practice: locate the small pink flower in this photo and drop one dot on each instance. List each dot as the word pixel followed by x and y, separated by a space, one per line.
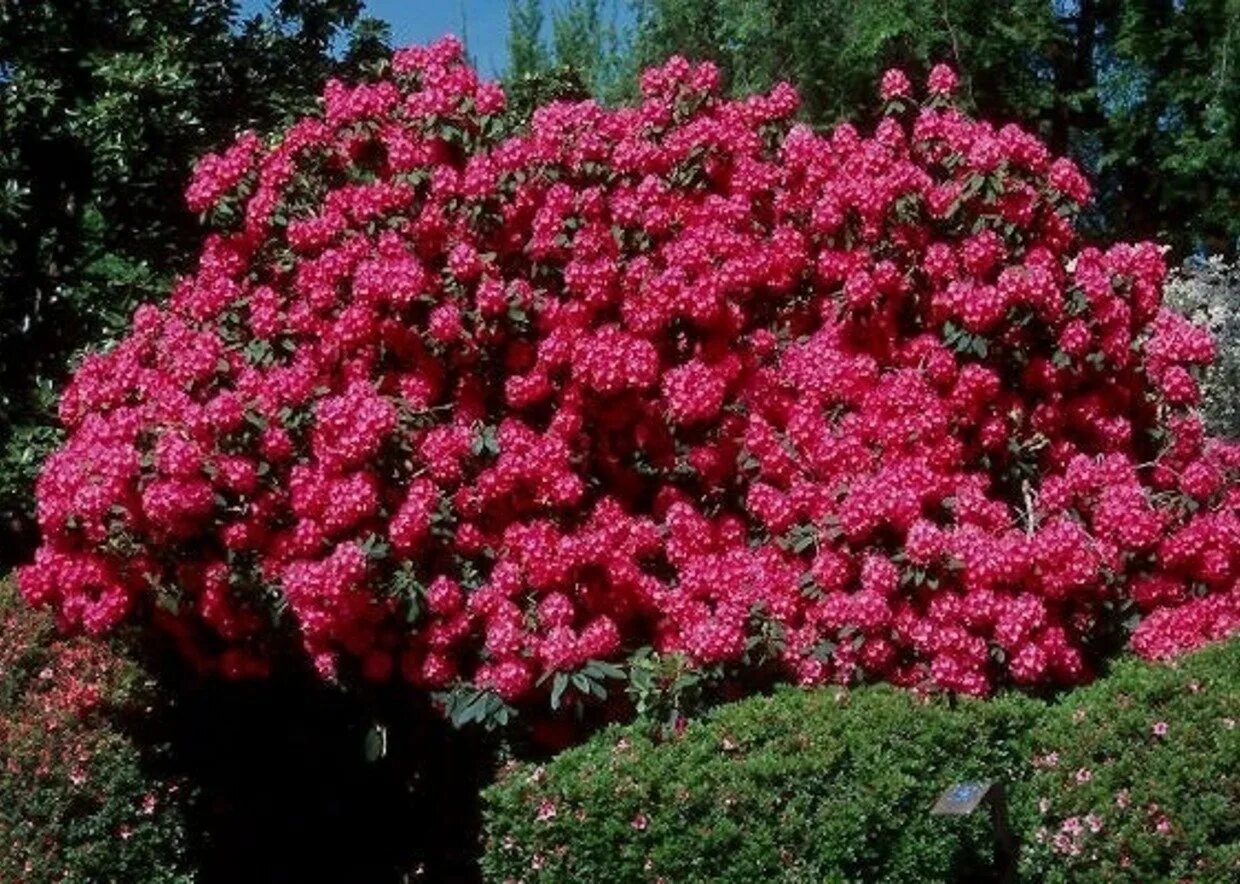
pixel 640 822
pixel 1065 844
pixel 1159 728
pixel 1123 798
pixel 546 810
pixel 1050 759
pixel 1163 826
pixel 1084 775
pixel 1094 822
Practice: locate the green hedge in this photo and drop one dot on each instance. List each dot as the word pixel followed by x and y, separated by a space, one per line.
pixel 1150 759
pixel 829 785
pixel 77 800
pixel 800 786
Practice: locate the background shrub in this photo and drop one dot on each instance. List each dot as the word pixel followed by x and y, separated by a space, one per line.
pixel 1135 777
pixel 76 800
pixel 829 785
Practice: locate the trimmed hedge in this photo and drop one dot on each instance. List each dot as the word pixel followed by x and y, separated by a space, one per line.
pixel 1137 777
pixel 831 785
pixel 800 786
pixel 77 800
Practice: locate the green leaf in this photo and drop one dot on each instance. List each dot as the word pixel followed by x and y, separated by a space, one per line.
pixel 609 670
pixel 375 744
pixel 558 686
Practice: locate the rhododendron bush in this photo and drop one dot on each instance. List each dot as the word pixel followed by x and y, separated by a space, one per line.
pixel 464 406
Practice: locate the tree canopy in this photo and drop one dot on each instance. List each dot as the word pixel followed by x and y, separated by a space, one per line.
pixel 1145 94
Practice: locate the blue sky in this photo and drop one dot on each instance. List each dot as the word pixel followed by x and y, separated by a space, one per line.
pixel 484 23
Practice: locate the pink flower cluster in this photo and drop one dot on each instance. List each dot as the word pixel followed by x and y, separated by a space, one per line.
pixel 460 408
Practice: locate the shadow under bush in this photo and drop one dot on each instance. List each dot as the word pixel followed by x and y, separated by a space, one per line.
pixel 111 770
pixel 299 781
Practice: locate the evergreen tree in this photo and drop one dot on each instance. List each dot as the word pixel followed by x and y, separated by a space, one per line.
pixel 526 53
pixel 587 53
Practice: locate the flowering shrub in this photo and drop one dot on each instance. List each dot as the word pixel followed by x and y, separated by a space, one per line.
pixel 1133 778
pixel 492 412
pixel 77 804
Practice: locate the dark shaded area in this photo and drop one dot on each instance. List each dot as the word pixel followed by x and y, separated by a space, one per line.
pixel 293 782
pixel 19 537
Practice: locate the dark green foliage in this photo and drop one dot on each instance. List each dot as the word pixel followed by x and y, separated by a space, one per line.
pixel 104 107
pixel 527 92
pixel 835 52
pixel 583 38
pixel 1166 83
pixel 830 785
pixel 1114 769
